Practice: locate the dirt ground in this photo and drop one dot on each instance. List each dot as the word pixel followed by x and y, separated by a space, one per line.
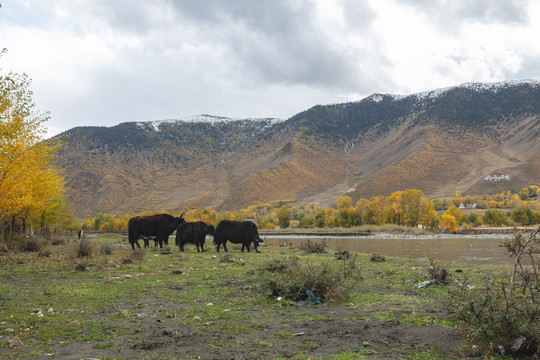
pixel 334 333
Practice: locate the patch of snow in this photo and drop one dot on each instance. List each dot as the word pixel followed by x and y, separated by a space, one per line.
pixel 203 118
pixel 351 190
pixel 431 94
pixel 376 97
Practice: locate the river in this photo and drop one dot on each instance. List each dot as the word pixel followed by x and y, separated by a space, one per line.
pixel 471 249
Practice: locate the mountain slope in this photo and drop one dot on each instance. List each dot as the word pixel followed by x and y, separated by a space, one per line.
pixel 438 141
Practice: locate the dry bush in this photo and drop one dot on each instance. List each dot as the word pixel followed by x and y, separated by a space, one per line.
pixel 106 249
pixel 82 266
pixel 291 278
pixel 505 312
pixel 437 274
pixel 32 244
pixel 84 248
pixel 377 258
pixel 44 252
pixel 129 256
pixel 313 247
pixel 58 241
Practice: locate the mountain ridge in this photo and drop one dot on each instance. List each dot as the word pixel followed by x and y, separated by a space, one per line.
pixel 377 145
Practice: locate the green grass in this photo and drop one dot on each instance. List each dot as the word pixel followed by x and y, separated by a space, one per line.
pixel 196 291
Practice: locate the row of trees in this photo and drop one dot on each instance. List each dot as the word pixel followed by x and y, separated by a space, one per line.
pixel 408 208
pixel 31 188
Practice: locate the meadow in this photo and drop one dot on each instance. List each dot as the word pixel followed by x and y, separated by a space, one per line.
pixel 114 303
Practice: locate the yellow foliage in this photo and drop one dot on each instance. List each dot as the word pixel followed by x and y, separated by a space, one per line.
pixel 449 222
pixel 29 183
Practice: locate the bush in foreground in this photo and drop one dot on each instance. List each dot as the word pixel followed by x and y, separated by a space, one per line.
pixel 506 311
pixel 290 278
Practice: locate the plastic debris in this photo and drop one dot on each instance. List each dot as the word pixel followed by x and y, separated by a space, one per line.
pixel 312 299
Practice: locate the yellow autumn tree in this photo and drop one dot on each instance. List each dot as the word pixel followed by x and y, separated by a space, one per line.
pixel 449 222
pixel 29 183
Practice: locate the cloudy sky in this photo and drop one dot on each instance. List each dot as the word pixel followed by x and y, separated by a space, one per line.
pixel 103 62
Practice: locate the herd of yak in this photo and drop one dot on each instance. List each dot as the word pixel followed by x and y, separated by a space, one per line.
pixel 159 227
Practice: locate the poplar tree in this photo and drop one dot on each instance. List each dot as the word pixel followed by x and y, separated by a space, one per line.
pixel 29 183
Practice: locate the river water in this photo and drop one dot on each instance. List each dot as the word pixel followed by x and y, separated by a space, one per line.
pixel 472 249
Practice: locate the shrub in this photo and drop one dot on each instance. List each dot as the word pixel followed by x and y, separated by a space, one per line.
pixel 31 244
pixel 291 278
pixel 44 253
pixel 128 255
pixel 106 249
pixel 506 311
pixel 84 248
pixel 377 258
pixel 437 274
pixel 312 247
pixel 58 241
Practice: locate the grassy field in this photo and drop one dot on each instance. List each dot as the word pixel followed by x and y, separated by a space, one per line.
pixel 154 304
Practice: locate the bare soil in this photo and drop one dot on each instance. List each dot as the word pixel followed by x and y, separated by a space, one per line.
pixel 340 329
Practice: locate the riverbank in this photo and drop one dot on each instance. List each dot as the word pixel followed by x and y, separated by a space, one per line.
pixel 370 230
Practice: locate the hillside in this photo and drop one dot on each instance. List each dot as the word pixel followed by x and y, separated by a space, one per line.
pixel 476 138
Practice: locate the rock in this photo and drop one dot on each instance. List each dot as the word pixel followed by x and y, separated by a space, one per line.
pixel 424 284
pixel 9 330
pixel 15 342
pixel 50 311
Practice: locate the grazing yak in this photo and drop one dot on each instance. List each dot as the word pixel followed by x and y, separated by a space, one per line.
pixel 237 232
pixel 193 233
pixel 159 226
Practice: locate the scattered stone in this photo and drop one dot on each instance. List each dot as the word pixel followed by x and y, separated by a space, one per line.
pixel 50 311
pixel 176 272
pixel 15 342
pixel 40 314
pixel 227 258
pixel 128 276
pixel 197 318
pixel 9 330
pixel 209 304
pixel 424 284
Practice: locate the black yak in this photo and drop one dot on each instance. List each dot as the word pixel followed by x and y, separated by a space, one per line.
pixel 193 233
pixel 237 232
pixel 159 226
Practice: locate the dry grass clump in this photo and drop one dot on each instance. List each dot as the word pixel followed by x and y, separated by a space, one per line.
pixel 106 249
pixel 313 247
pixel 84 248
pixel 58 241
pixel 129 256
pixel 290 278
pixel 32 244
pixel 45 252
pixel 377 258
pixel 437 274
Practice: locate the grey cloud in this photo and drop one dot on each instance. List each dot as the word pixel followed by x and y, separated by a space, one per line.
pixel 454 13
pixel 274 41
pixel 358 14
